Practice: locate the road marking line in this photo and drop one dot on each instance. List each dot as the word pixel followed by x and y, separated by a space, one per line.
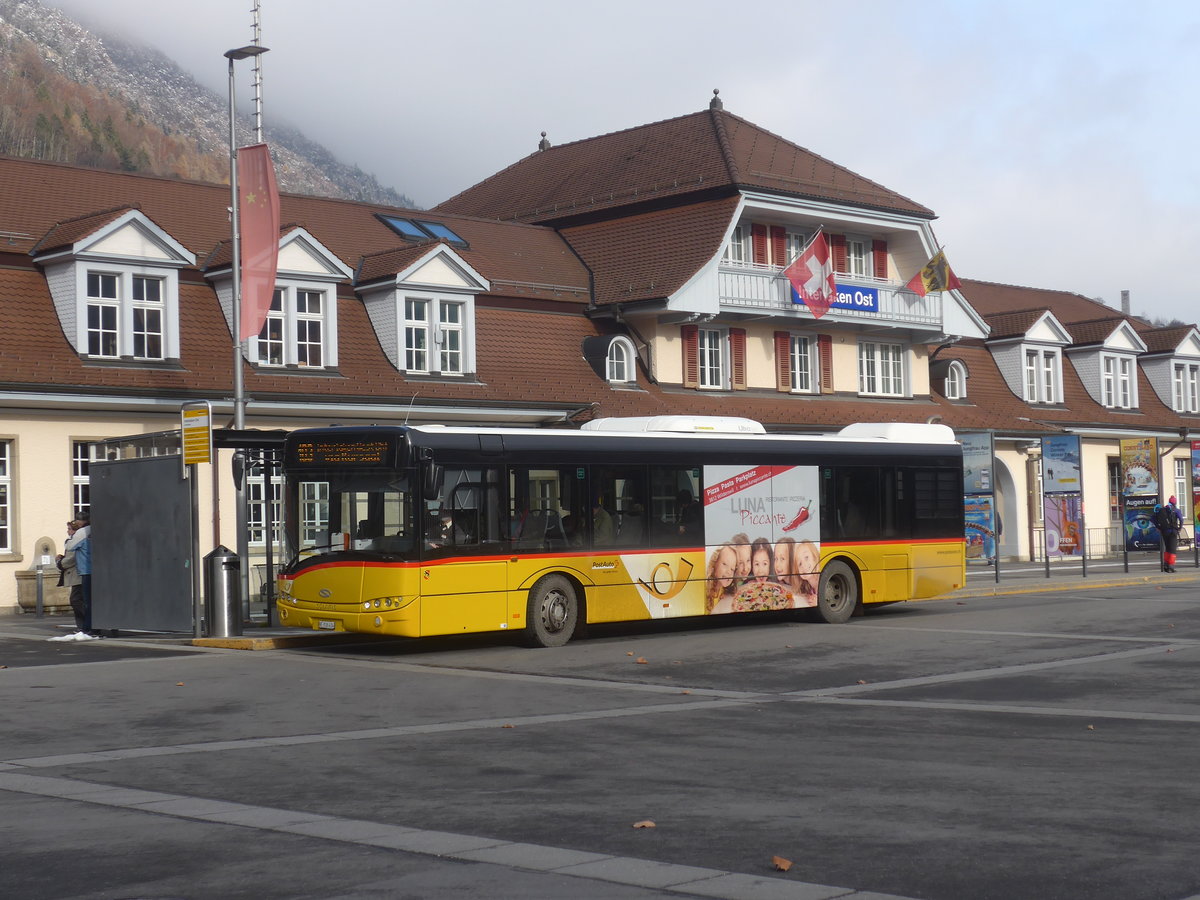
pixel 670 877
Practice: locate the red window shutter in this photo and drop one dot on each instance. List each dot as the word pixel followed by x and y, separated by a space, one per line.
pixel 758 242
pixel 737 358
pixel 879 258
pixel 837 248
pixel 825 361
pixel 783 361
pixel 779 245
pixel 691 355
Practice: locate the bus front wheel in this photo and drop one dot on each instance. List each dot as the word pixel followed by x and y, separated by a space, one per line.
pixel 552 613
pixel 837 595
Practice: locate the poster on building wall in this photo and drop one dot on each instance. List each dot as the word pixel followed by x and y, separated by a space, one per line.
pixel 1195 479
pixel 763 528
pixel 1060 464
pixel 980 525
pixel 977 461
pixel 1140 533
pixel 1063 521
pixel 1139 467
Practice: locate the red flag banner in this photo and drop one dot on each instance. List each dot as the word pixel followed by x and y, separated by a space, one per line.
pixel 258 215
pixel 936 275
pixel 811 275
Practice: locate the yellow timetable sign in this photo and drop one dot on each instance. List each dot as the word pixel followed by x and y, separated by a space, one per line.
pixel 197 435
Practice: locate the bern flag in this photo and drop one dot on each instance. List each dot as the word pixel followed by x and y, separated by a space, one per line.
pixel 811 275
pixel 258 212
pixel 936 275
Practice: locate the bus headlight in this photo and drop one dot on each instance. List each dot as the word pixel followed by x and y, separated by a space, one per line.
pixel 366 604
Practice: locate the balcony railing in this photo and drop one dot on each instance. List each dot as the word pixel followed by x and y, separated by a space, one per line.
pixel 745 287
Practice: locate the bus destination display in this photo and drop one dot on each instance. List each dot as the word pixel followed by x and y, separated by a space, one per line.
pixel 365 451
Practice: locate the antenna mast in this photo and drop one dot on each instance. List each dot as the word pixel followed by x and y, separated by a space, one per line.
pixel 258 119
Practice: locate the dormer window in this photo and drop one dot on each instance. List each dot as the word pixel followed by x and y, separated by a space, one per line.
pixel 294 333
pixel 619 366
pixel 1043 375
pixel 1185 388
pixel 1118 382
pixel 125 316
pixel 956 381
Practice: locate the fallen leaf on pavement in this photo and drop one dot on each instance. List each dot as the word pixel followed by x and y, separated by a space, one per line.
pixel 641 660
pixel 781 864
pixel 645 823
pixel 506 725
pixel 1091 728
pixel 179 684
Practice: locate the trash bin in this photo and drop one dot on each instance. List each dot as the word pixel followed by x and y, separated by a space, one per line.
pixel 222 593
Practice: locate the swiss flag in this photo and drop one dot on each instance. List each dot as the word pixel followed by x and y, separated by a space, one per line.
pixel 811 275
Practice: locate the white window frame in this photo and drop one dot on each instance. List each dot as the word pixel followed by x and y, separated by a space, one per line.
pixel 712 355
pixel 81 477
pixel 314 511
pixel 858 256
pixel 1185 391
pixel 803 364
pixel 255 508
pixel 620 364
pixel 441 342
pixel 1043 374
pixel 285 339
pixel 1118 381
pixel 119 313
pixel 956 381
pixel 881 369
pixel 1183 484
pixel 148 310
pixel 6 496
pixel 738 250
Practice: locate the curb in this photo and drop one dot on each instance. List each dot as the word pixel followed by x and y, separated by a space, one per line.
pixel 1076 583
pixel 287 641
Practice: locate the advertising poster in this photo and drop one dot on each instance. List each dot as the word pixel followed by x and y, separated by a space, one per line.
pixel 1139 467
pixel 762 525
pixel 1064 524
pixel 977 461
pixel 1195 479
pixel 980 526
pixel 1140 533
pixel 1060 464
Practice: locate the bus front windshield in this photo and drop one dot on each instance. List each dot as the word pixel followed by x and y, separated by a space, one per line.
pixel 368 513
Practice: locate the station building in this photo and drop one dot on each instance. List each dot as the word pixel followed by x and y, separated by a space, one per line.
pixel 637 273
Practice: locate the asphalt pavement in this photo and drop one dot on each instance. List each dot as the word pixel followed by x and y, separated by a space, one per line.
pixel 1031 738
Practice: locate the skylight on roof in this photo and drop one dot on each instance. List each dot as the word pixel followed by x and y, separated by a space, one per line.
pixel 437 229
pixel 412 230
pixel 406 228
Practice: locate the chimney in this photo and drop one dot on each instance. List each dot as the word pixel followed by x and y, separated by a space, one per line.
pixel 1124 303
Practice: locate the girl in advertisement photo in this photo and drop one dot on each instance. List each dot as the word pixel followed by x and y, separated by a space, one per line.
pixel 722 582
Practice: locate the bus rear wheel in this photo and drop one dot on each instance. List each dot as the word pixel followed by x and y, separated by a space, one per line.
pixel 837 595
pixel 552 613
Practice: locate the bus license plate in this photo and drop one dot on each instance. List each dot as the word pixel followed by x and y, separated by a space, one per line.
pixel 326 625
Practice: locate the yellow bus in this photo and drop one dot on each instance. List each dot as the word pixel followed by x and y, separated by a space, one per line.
pixel 435 530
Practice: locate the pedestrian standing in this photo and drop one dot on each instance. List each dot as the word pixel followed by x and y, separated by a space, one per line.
pixel 83 565
pixel 1167 523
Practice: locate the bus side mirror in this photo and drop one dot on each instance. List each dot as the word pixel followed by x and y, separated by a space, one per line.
pixel 433 481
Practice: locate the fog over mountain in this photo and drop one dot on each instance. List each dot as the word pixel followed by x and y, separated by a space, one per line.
pixel 68 94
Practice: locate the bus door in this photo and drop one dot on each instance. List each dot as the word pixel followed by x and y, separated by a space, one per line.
pixel 464 569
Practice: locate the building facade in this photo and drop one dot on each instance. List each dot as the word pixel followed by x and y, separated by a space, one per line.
pixel 635 273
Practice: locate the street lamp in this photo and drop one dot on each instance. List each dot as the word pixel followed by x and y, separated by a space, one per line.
pixel 239 393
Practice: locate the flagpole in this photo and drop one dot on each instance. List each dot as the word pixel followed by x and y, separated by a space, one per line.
pixel 239 391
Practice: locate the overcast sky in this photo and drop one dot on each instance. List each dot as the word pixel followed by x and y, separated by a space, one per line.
pixel 1056 141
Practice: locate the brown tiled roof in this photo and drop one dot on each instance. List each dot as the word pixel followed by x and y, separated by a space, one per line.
pixel 1096 331
pixel 524 260
pixel 990 298
pixel 1012 324
pixel 1165 340
pixel 692 154
pixel 385 263
pixel 65 234
pixel 651 255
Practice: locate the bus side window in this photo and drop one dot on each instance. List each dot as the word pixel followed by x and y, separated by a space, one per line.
pixel 676 511
pixel 619 506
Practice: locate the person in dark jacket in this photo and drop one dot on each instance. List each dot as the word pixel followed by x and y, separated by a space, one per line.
pixel 1166 521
